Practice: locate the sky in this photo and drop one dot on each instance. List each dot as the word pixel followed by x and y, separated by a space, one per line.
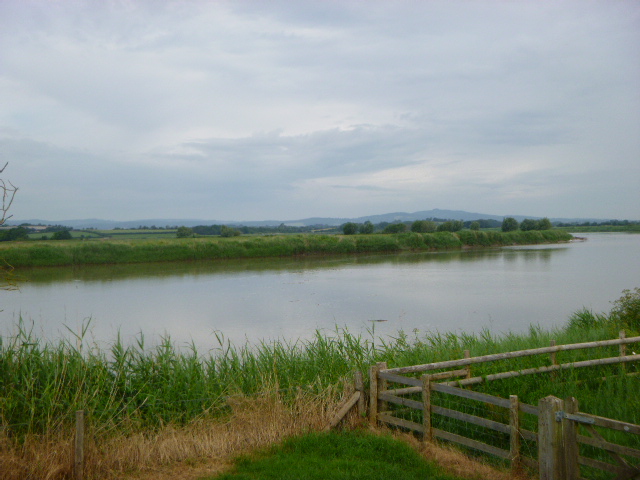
pixel 256 110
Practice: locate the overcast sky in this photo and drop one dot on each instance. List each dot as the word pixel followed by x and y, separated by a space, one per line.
pixel 254 110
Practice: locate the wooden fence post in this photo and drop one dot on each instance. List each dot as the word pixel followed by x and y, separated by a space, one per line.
pixel 426 410
pixel 550 447
pixel 570 438
pixel 373 395
pixel 623 349
pixel 359 384
pixel 382 386
pixel 467 354
pixel 554 360
pixel 514 427
pixel 78 464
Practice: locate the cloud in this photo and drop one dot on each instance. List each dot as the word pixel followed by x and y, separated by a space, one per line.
pixel 291 109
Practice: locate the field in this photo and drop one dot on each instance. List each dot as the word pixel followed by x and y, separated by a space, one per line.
pixel 140 398
pixel 140 250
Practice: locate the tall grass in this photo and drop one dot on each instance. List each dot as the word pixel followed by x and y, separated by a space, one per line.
pixel 80 252
pixel 135 387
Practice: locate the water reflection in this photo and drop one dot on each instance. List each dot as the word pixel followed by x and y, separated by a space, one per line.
pixel 110 273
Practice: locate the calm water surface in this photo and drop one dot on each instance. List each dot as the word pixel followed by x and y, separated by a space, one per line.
pixel 504 289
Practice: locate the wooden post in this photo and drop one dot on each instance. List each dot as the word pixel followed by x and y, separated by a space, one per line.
pixel 550 451
pixel 78 465
pixel 359 384
pixel 382 386
pixel 514 427
pixel 554 360
pixel 467 354
pixel 623 349
pixel 426 410
pixel 570 437
pixel 373 395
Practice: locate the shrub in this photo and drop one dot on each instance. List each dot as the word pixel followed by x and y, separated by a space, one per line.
pixel 229 231
pixel 184 232
pixel 626 310
pixel 350 228
pixel 61 235
pixel 509 224
pixel 451 226
pixel 366 228
pixel 423 226
pixel 395 228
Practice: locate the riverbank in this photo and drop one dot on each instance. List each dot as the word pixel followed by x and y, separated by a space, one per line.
pixel 95 252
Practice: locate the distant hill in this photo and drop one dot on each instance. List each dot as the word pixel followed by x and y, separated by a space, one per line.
pixel 329 221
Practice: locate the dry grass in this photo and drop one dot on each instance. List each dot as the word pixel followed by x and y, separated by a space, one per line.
pixel 254 422
pixel 205 447
pixel 457 463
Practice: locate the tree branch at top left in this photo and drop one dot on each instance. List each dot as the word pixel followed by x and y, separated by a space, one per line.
pixel 8 194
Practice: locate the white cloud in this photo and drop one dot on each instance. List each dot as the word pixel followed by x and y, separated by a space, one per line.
pixel 290 109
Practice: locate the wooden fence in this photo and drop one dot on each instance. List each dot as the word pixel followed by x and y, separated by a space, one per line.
pixel 548 441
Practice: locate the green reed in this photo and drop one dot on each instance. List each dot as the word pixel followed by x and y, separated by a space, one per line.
pixel 83 252
pixel 130 387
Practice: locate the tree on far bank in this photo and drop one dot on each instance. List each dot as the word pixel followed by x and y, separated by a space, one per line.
pixel 395 228
pixel 350 228
pixel 544 224
pixel 509 224
pixel 184 232
pixel 366 228
pixel 451 226
pixel 226 231
pixel 530 224
pixel 423 226
pixel 61 235
pixel 475 226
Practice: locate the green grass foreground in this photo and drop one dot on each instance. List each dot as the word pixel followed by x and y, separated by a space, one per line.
pixel 107 251
pixel 336 456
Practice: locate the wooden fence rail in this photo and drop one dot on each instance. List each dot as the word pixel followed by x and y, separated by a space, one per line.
pixel 518 354
pixel 556 443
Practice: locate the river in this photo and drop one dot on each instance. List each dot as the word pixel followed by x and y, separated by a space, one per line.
pixel 502 289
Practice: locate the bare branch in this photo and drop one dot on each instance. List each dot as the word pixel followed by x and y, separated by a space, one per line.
pixel 8 194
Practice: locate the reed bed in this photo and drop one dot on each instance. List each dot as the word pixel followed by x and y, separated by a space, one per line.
pixel 134 387
pixel 108 251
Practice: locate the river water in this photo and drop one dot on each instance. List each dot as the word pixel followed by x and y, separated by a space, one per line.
pixel 505 289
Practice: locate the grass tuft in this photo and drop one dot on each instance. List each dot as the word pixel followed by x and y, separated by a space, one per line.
pixel 351 455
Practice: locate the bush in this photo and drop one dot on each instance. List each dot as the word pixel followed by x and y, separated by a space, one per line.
pixel 61 235
pixel 423 226
pixel 366 228
pixel 350 228
pixel 451 226
pixel 509 224
pixel 626 310
pixel 395 228
pixel 229 231
pixel 184 232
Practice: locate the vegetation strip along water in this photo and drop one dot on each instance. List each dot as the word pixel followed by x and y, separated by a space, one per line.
pixel 79 252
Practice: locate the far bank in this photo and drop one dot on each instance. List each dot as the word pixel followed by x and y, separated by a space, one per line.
pixel 96 252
